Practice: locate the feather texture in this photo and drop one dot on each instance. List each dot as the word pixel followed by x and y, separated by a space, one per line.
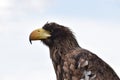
pixel 80 64
pixel 70 61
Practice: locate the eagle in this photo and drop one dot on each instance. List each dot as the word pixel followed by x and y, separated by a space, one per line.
pixel 70 61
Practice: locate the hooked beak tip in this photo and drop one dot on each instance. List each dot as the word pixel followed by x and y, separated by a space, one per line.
pixel 30 41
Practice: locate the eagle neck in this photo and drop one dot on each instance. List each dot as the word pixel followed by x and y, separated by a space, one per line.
pixel 62 47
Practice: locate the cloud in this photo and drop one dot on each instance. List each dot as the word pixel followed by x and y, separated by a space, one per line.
pixel 32 5
pixel 15 8
pixel 15 12
pixel 5 6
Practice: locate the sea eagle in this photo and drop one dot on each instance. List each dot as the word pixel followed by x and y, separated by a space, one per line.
pixel 70 61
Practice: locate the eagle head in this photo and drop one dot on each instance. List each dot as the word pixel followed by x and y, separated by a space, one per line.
pixel 51 33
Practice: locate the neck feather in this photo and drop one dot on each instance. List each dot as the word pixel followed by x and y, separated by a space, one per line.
pixel 62 47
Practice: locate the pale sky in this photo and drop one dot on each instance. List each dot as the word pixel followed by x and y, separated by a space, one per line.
pixel 96 24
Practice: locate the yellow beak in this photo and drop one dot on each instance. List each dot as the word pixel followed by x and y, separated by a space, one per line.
pixel 39 34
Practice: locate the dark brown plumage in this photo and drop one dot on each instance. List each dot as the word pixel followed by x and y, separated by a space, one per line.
pixel 70 61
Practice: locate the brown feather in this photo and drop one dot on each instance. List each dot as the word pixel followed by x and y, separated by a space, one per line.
pixel 70 61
